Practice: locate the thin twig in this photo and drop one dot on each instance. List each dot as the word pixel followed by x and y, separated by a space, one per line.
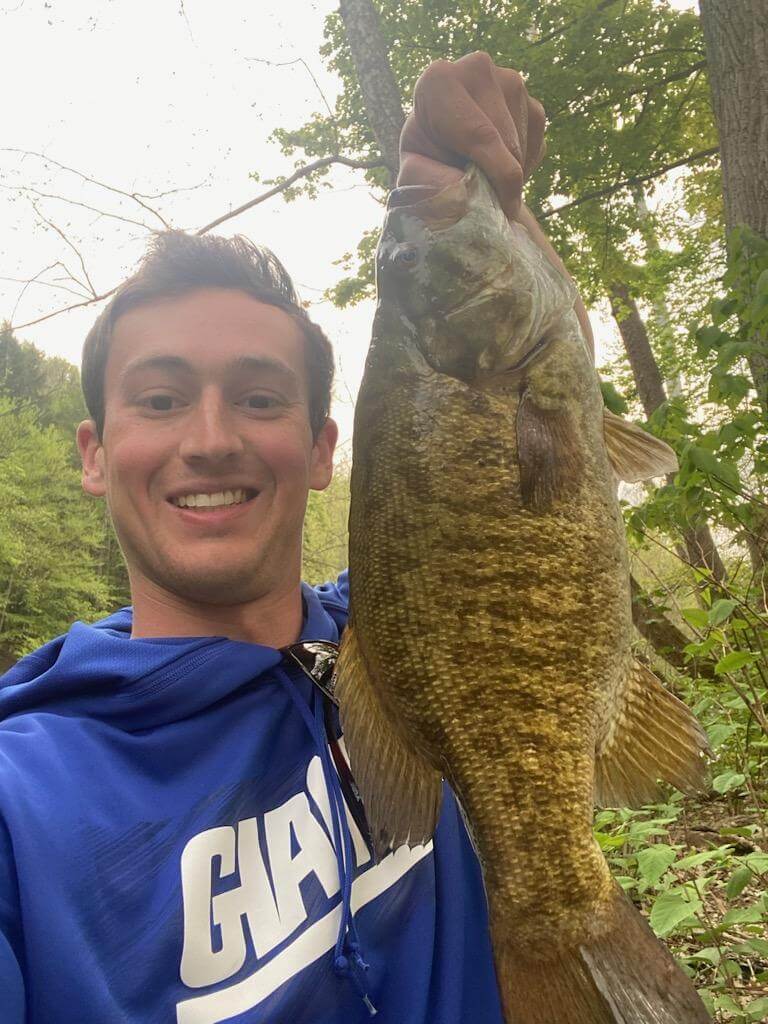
pixel 135 196
pixel 67 241
pixel 26 281
pixel 302 172
pixel 76 202
pixel 65 309
pixel 636 180
pixel 308 69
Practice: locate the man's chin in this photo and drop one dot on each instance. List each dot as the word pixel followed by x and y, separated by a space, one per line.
pixel 217 586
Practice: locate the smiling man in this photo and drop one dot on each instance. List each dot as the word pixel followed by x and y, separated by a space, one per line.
pixel 179 836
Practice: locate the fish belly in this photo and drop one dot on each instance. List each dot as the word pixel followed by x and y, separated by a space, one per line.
pixel 492 634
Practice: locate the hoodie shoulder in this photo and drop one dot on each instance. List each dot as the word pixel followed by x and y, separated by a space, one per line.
pixel 335 595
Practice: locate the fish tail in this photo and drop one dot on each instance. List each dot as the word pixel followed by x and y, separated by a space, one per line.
pixel 622 976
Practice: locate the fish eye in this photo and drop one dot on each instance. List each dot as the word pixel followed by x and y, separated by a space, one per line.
pixel 406 256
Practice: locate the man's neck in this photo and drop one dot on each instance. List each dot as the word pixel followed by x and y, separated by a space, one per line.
pixel 274 619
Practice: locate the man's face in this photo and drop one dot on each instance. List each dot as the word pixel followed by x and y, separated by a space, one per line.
pixel 207 453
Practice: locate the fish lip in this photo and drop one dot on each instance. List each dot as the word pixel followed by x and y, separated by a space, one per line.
pixel 437 208
pixel 411 195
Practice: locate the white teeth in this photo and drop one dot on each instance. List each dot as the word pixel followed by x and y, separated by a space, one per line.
pixel 210 500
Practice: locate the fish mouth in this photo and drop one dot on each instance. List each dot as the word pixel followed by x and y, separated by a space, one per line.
pixel 436 208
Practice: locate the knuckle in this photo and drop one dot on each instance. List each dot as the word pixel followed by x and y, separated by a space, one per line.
pixel 536 111
pixel 483 134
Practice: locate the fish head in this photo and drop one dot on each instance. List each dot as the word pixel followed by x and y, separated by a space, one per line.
pixel 479 292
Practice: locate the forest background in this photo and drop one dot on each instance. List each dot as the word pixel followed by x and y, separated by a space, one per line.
pixel 655 191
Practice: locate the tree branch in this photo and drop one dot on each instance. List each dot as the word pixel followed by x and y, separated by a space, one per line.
pixel 590 108
pixel 301 172
pixel 135 196
pixel 628 182
pixel 88 286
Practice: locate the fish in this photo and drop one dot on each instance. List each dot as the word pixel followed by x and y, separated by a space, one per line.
pixel 489 638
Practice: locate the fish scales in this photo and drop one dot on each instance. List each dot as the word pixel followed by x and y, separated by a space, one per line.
pixel 490 625
pixel 532 690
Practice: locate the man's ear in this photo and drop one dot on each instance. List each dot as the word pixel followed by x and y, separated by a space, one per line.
pixel 92 456
pixel 321 468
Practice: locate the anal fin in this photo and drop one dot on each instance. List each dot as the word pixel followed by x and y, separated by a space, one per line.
pixel 620 974
pixel 652 736
pixel 400 790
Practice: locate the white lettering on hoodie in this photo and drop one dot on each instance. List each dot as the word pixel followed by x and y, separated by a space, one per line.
pixel 215 916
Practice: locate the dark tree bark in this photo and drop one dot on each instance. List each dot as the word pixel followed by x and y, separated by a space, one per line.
pixel 645 369
pixel 736 37
pixel 700 546
pixel 381 96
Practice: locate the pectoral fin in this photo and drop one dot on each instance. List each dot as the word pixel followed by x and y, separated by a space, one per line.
pixel 400 790
pixel 634 453
pixel 548 454
pixel 652 736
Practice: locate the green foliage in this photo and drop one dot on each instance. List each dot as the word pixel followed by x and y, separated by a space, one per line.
pixel 58 557
pixel 702 884
pixel 325 529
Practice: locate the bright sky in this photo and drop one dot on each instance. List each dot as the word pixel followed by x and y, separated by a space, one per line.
pixel 151 95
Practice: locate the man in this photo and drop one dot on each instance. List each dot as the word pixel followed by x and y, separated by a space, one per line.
pixel 174 838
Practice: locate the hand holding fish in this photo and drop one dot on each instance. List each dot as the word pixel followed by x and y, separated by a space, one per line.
pixel 471 110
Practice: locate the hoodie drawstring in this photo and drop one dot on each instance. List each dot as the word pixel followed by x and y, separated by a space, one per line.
pixel 348 960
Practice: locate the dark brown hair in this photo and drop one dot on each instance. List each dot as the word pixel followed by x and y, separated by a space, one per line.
pixel 176 263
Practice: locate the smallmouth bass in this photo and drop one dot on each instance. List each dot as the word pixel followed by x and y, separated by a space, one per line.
pixel 490 617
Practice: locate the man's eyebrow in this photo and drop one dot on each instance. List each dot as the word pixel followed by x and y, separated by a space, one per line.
pixel 263 364
pixel 242 365
pixel 175 363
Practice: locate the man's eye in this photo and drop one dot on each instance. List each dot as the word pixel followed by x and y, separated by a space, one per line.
pixel 260 402
pixel 159 403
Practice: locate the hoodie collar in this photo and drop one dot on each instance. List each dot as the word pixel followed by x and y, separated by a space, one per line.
pixel 100 672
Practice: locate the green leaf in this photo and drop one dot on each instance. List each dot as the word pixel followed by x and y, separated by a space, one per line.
pixel 710 953
pixel 694 859
pixel 744 915
pixel 670 911
pixel 734 660
pixel 754 945
pixel 757 862
pixel 613 399
pixel 757 1009
pixel 720 611
pixel 696 617
pixel 719 733
pixel 738 882
pixel 654 861
pixel 727 781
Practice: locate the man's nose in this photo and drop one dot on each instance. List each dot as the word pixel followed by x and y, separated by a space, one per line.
pixel 211 431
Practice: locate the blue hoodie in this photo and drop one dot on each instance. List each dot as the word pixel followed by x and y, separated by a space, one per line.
pixel 169 852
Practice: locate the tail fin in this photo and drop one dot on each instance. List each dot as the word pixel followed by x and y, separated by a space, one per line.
pixel 625 976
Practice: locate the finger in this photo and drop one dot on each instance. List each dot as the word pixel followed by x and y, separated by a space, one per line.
pixel 537 122
pixel 414 139
pixel 418 170
pixel 465 129
pixel 499 94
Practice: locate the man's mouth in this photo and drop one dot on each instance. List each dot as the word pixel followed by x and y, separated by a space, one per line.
pixel 218 499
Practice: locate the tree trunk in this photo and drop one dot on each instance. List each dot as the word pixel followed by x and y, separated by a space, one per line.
pixel 736 37
pixel 700 546
pixel 645 369
pixel 381 96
